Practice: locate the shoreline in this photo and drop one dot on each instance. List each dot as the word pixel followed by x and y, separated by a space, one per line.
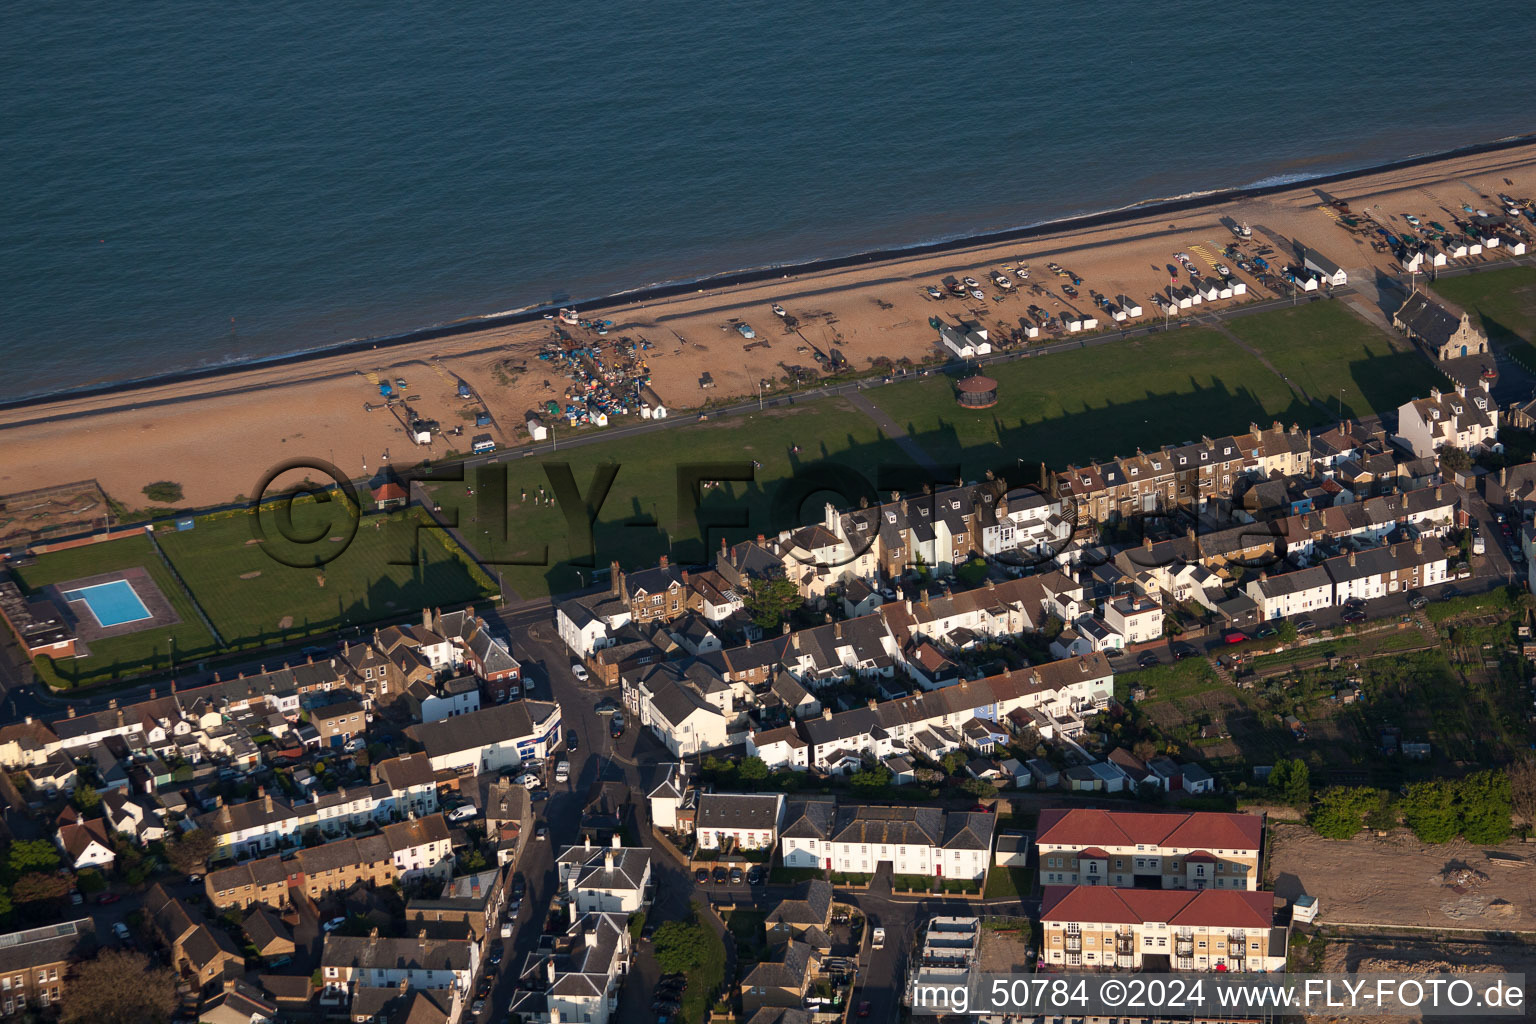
pixel 645 294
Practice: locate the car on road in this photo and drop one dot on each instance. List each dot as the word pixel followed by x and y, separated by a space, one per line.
pixel 1266 632
pixel 701 875
pixel 1148 659
pixel 496 955
pixel 542 832
pixel 107 897
pixel 579 671
pixel 877 938
pixel 1183 650
pixel 864 1008
pixel 529 781
pixel 746 331
pixel 616 726
pixel 607 706
pixel 721 876
pixel 1235 636
pixel 572 741
pixel 538 794
pixel 1306 626
pixel 1354 615
pixel 1417 600
pixel 121 931
pixel 736 876
pixel 464 812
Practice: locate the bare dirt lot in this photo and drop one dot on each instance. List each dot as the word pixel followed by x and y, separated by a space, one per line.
pixel 1372 955
pixel 1395 880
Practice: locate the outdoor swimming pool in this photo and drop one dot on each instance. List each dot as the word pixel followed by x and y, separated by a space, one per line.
pixel 112 603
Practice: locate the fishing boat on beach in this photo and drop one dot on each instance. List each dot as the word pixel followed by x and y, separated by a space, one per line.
pixel 569 316
pixel 778 310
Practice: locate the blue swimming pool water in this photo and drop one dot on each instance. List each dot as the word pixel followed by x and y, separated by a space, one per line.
pixel 112 603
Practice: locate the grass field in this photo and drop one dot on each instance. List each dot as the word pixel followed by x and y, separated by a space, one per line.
pixel 1325 348
pixel 1506 301
pixel 254 600
pixel 1097 403
pixel 642 518
pixel 146 651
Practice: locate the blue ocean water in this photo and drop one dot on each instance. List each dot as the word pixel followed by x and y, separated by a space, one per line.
pixel 191 184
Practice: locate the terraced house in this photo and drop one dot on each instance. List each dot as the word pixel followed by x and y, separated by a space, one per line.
pixel 1131 849
pixel 906 840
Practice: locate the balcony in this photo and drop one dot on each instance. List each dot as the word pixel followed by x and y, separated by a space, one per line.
pixel 1125 944
pixel 1184 947
pixel 1074 943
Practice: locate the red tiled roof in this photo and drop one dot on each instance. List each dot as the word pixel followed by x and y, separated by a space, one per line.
pixel 1082 827
pixel 1207 908
pixel 1094 851
pixel 389 491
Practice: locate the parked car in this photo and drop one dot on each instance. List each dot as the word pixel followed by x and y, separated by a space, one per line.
pixel 1306 626
pixel 616 726
pixel 1265 632
pixel 496 954
pixel 1354 615
pixel 571 740
pixel 1148 659
pixel 579 671
pixel 607 706
pixel 701 875
pixel 864 1008
pixel 1235 636
pixel 755 876
pixel 721 876
pixel 1183 650
pixel 530 781
pixel 108 897
pixel 334 923
pixel 563 771
pixel 542 832
pixel 736 876
pixel 1417 601
pixel 123 934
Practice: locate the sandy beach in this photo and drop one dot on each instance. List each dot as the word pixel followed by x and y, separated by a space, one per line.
pixel 217 436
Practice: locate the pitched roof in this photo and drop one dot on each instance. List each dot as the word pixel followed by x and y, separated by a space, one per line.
pixel 738 810
pixel 502 723
pixel 1081 826
pixel 1209 908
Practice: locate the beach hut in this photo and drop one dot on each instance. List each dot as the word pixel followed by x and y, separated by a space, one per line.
pixel 968 344
pixel 421 432
pixel 1030 330
pixel 1516 246
pixel 1457 248
pixel 1413 262
pixel 1303 281
pixel 1073 324
pixel 596 416
pixel 1130 305
pixel 1207 289
pixel 1224 291
pixel 1090 322
pixel 651 405
pixel 536 429
pixel 1436 257
pixel 1239 288
pixel 1474 248
pixel 1120 315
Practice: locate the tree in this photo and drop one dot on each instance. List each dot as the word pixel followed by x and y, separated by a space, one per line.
pixel 1290 782
pixel 119 987
pixel 1522 787
pixel 978 788
pixel 953 762
pixel 163 492
pixel 1430 810
pixel 90 880
pixel 1339 810
pixel 770 599
pixel 1145 749
pixel 681 946
pixel 1453 459
pixel 752 769
pixel 1384 815
pixel 5 904
pixel 33 855
pixel 86 799
pixel 188 852
pixel 1484 805
pixel 870 778
pixel 471 861
pixel 39 887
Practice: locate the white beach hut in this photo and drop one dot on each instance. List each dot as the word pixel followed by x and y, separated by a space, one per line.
pixel 1516 246
pixel 536 428
pixel 1207 289
pixel 1090 322
pixel 1130 305
pixel 1239 288
pixel 1413 262
pixel 1224 290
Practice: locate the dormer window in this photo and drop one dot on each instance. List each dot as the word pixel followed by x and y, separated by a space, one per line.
pixel 1182 460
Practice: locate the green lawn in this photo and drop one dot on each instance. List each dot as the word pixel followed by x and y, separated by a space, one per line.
pixel 1325 348
pixel 1097 403
pixel 145 651
pixel 1182 679
pixel 1009 883
pixel 746 927
pixel 254 600
pixel 1506 301
pixel 642 518
pixel 388 569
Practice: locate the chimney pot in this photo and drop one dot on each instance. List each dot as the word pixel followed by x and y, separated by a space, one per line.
pixel 663 561
pixel 826 714
pixel 614 841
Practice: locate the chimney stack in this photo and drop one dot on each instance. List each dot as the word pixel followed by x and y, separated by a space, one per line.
pixel 614 841
pixel 663 562
pixel 608 860
pixel 549 975
pixel 1418 545
pixel 373 936
pixel 1351 557
pixel 826 714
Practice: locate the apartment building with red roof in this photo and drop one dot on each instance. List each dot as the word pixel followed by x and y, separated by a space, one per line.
pixel 1093 926
pixel 1141 850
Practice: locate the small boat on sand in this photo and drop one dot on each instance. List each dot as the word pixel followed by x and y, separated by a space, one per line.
pixel 778 310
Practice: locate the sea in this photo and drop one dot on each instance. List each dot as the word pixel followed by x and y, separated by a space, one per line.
pixel 199 184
